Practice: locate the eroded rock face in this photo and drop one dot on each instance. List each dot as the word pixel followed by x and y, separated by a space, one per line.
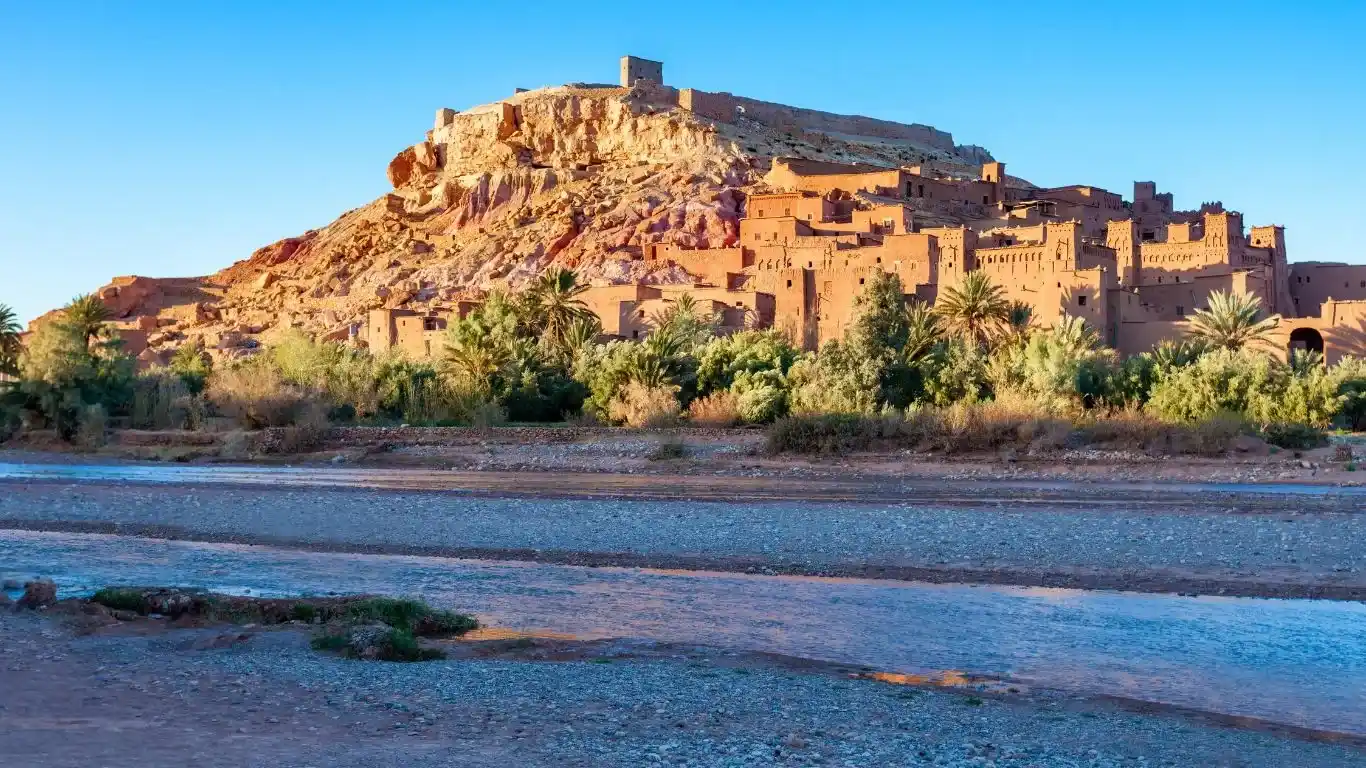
pixel 574 176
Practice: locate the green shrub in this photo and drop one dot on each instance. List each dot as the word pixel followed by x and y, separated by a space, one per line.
pixel 836 381
pixel 955 372
pixel 830 434
pixel 412 616
pixel 161 400
pixel 1350 375
pixel 1221 381
pixel 1294 436
pixel 725 358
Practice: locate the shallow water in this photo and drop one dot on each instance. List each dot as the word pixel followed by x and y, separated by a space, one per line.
pixel 629 485
pixel 1300 662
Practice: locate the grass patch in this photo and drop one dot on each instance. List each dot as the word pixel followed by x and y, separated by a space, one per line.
pixel 413 617
pixel 120 599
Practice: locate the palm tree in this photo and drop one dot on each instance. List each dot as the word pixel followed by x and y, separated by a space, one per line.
pixel 1305 362
pixel 475 354
pixel 975 308
pixel 922 331
pixel 1074 334
pixel 9 340
pixel 1170 355
pixel 554 305
pixel 581 334
pixel 87 315
pixel 685 322
pixel 1233 321
pixel 1019 322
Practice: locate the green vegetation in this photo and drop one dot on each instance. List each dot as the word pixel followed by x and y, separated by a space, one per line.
pixel 9 341
pixel 381 628
pixel 973 372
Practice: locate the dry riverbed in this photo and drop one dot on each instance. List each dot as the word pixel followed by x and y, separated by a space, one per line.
pixel 1204 540
pixel 150 695
pixel 710 452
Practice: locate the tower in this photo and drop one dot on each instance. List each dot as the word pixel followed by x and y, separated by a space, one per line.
pixel 633 69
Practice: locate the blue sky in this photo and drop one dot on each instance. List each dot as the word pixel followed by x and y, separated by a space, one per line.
pixel 168 139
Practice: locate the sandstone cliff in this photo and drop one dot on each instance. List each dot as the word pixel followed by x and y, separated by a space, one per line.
pixel 582 176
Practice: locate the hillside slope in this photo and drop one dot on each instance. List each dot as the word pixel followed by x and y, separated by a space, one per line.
pixel 583 176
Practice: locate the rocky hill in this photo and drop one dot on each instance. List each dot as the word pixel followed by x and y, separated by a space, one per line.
pixel 580 175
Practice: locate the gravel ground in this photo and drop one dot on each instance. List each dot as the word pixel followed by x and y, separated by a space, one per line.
pixel 1286 553
pixel 179 698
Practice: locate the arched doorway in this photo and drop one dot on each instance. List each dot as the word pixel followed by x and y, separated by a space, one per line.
pixel 1307 339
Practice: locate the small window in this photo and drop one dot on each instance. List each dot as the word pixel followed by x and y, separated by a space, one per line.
pixel 879 259
pixel 986 200
pixel 1081 301
pixel 808 265
pixel 641 313
pixel 1306 279
pixel 787 211
pixel 808 217
pixel 860 281
pixel 1363 283
pixel 756 235
pixel 1180 311
pixel 739 305
pixel 635 334
pixel 789 283
pixel 922 191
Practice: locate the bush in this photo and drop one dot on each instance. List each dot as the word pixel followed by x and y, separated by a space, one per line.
pixel 725 358
pixel 487 415
pixel 1221 382
pixel 93 427
pixel 305 434
pixel 836 381
pixel 161 400
pixel 1350 375
pixel 642 406
pixel 257 396
pixel 830 434
pixel 955 372
pixel 719 409
pixel 1294 436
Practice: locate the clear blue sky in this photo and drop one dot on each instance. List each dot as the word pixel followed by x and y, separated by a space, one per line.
pixel 165 139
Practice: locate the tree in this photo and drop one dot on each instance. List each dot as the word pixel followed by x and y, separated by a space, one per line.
pixel 685 323
pixel 1019 322
pixel 9 340
pixel 922 331
pixel 86 315
pixel 975 309
pixel 192 366
pixel 881 320
pixel 554 307
pixel 1233 321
